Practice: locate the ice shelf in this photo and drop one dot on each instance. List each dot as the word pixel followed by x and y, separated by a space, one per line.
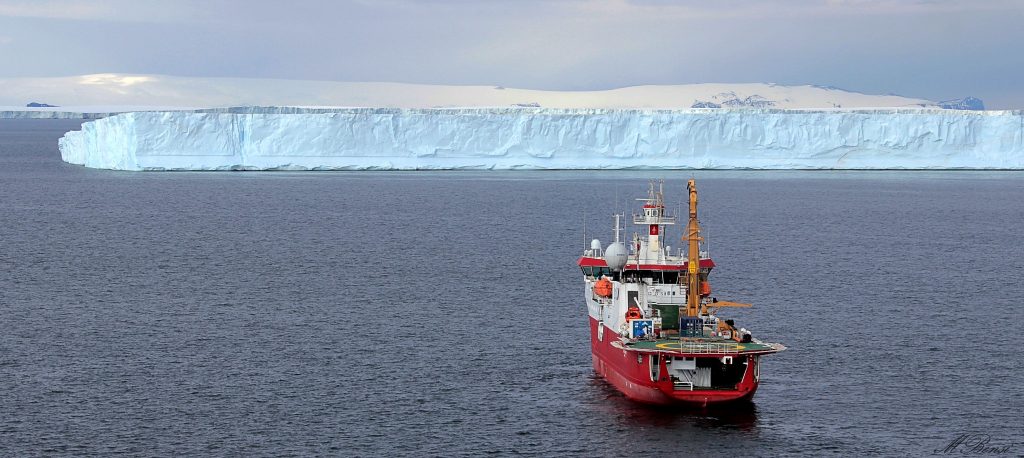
pixel 294 138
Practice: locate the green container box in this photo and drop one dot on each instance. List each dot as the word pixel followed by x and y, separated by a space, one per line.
pixel 669 315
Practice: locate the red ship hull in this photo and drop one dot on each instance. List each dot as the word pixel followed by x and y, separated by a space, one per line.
pixel 630 372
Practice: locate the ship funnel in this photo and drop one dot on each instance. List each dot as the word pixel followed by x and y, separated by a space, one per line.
pixel 616 256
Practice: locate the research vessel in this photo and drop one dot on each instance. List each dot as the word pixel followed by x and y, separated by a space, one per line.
pixel 655 331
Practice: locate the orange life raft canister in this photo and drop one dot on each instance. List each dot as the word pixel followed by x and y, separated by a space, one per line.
pixel 603 287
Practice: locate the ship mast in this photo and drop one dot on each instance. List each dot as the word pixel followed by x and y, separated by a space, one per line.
pixel 692 238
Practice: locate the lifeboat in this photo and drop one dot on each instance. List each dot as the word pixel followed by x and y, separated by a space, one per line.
pixel 634 313
pixel 603 287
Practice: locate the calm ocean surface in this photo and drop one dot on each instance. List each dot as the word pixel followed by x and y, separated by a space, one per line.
pixel 440 314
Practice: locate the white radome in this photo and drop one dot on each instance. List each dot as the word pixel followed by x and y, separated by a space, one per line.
pixel 616 256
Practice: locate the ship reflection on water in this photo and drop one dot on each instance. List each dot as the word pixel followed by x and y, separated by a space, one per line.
pixel 738 417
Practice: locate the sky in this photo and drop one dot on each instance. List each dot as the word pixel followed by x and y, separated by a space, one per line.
pixel 932 49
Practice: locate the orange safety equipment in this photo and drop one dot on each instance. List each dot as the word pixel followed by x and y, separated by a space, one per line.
pixel 603 287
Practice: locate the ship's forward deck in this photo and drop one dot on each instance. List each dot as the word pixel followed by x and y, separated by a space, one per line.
pixel 703 345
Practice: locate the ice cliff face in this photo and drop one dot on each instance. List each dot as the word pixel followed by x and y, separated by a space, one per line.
pixel 292 138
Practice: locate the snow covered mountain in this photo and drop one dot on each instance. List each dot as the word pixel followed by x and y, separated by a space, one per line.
pixel 122 92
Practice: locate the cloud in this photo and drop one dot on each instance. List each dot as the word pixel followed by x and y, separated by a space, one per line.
pixel 5 40
pixel 936 49
pixel 103 10
pixel 54 9
pixel 110 79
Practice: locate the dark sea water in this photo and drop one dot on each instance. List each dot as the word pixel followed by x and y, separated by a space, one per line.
pixel 441 314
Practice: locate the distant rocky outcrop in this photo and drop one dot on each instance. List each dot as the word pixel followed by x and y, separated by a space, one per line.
pixel 966 103
pixel 41 105
pixel 754 101
pixel 701 104
pixel 731 100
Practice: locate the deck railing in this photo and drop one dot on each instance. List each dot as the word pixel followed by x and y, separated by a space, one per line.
pixel 708 347
pixel 640 218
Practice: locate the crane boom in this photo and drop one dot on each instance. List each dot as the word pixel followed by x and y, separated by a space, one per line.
pixel 692 239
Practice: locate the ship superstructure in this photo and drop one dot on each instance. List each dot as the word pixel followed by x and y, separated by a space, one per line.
pixel 655 330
